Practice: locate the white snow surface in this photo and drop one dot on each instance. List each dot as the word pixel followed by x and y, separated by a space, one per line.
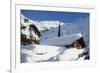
pixel 46 51
pixel 63 40
pixel 70 54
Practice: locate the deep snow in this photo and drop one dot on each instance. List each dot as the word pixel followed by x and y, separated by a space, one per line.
pixel 49 51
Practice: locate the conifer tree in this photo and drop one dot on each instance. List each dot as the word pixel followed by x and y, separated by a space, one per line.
pixel 59 30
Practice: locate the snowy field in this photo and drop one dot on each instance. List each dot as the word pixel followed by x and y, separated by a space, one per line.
pixel 51 48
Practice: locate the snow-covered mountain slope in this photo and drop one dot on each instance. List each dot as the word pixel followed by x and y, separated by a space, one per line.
pixel 49 32
pixel 80 26
pixel 41 25
pixel 63 40
pixel 46 25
